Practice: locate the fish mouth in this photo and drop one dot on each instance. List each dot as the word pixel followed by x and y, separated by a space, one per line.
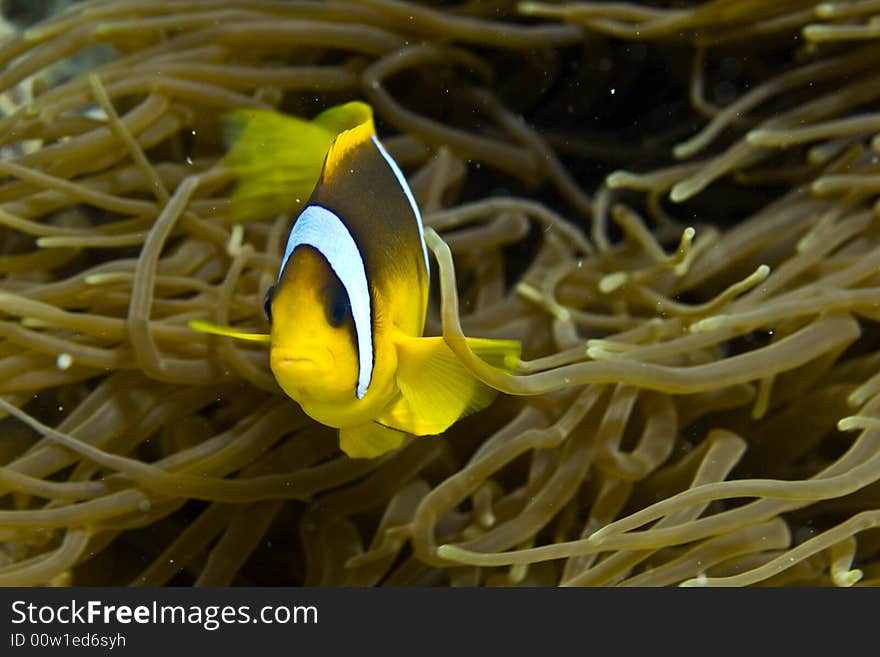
pixel 284 360
pixel 292 360
pixel 310 358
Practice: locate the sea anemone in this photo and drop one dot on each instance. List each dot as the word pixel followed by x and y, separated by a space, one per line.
pixel 675 210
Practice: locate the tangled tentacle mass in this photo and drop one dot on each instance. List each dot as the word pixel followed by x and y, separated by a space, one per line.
pixel 674 209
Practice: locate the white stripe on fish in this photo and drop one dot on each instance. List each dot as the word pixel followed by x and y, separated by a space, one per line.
pixel 321 229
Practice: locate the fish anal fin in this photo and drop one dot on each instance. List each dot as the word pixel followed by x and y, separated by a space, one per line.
pixel 436 389
pixel 367 441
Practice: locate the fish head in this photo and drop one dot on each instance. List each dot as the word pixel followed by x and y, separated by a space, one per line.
pixel 314 345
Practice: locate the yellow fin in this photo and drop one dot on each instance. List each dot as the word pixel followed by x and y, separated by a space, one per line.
pixel 436 389
pixel 344 117
pixel 277 159
pixel 369 440
pixel 503 354
pixel 216 329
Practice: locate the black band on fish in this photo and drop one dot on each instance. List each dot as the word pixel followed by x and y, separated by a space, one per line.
pixel 401 179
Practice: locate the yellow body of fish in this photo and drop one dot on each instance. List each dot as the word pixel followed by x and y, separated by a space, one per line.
pixel 348 309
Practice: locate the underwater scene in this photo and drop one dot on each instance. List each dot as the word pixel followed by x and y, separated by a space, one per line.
pixel 440 293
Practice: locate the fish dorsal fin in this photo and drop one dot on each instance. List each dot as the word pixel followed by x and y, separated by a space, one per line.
pixel 436 389
pixel 344 117
pixel 349 140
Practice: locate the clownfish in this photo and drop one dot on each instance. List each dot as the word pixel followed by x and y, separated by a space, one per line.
pixel 347 310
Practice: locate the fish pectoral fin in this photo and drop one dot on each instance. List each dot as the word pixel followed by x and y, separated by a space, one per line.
pixel 203 326
pixel 436 388
pixel 367 441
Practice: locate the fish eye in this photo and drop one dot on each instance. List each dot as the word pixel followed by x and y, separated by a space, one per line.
pixel 336 304
pixel 267 303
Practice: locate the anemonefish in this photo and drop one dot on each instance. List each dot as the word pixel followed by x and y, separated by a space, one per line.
pixel 348 307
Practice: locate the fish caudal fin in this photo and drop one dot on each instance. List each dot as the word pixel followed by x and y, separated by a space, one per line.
pixel 277 159
pixel 436 388
pixel 216 329
pixel 369 440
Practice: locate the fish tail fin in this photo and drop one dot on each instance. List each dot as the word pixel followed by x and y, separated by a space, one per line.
pixel 437 389
pixel 369 440
pixel 216 329
pixel 277 159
